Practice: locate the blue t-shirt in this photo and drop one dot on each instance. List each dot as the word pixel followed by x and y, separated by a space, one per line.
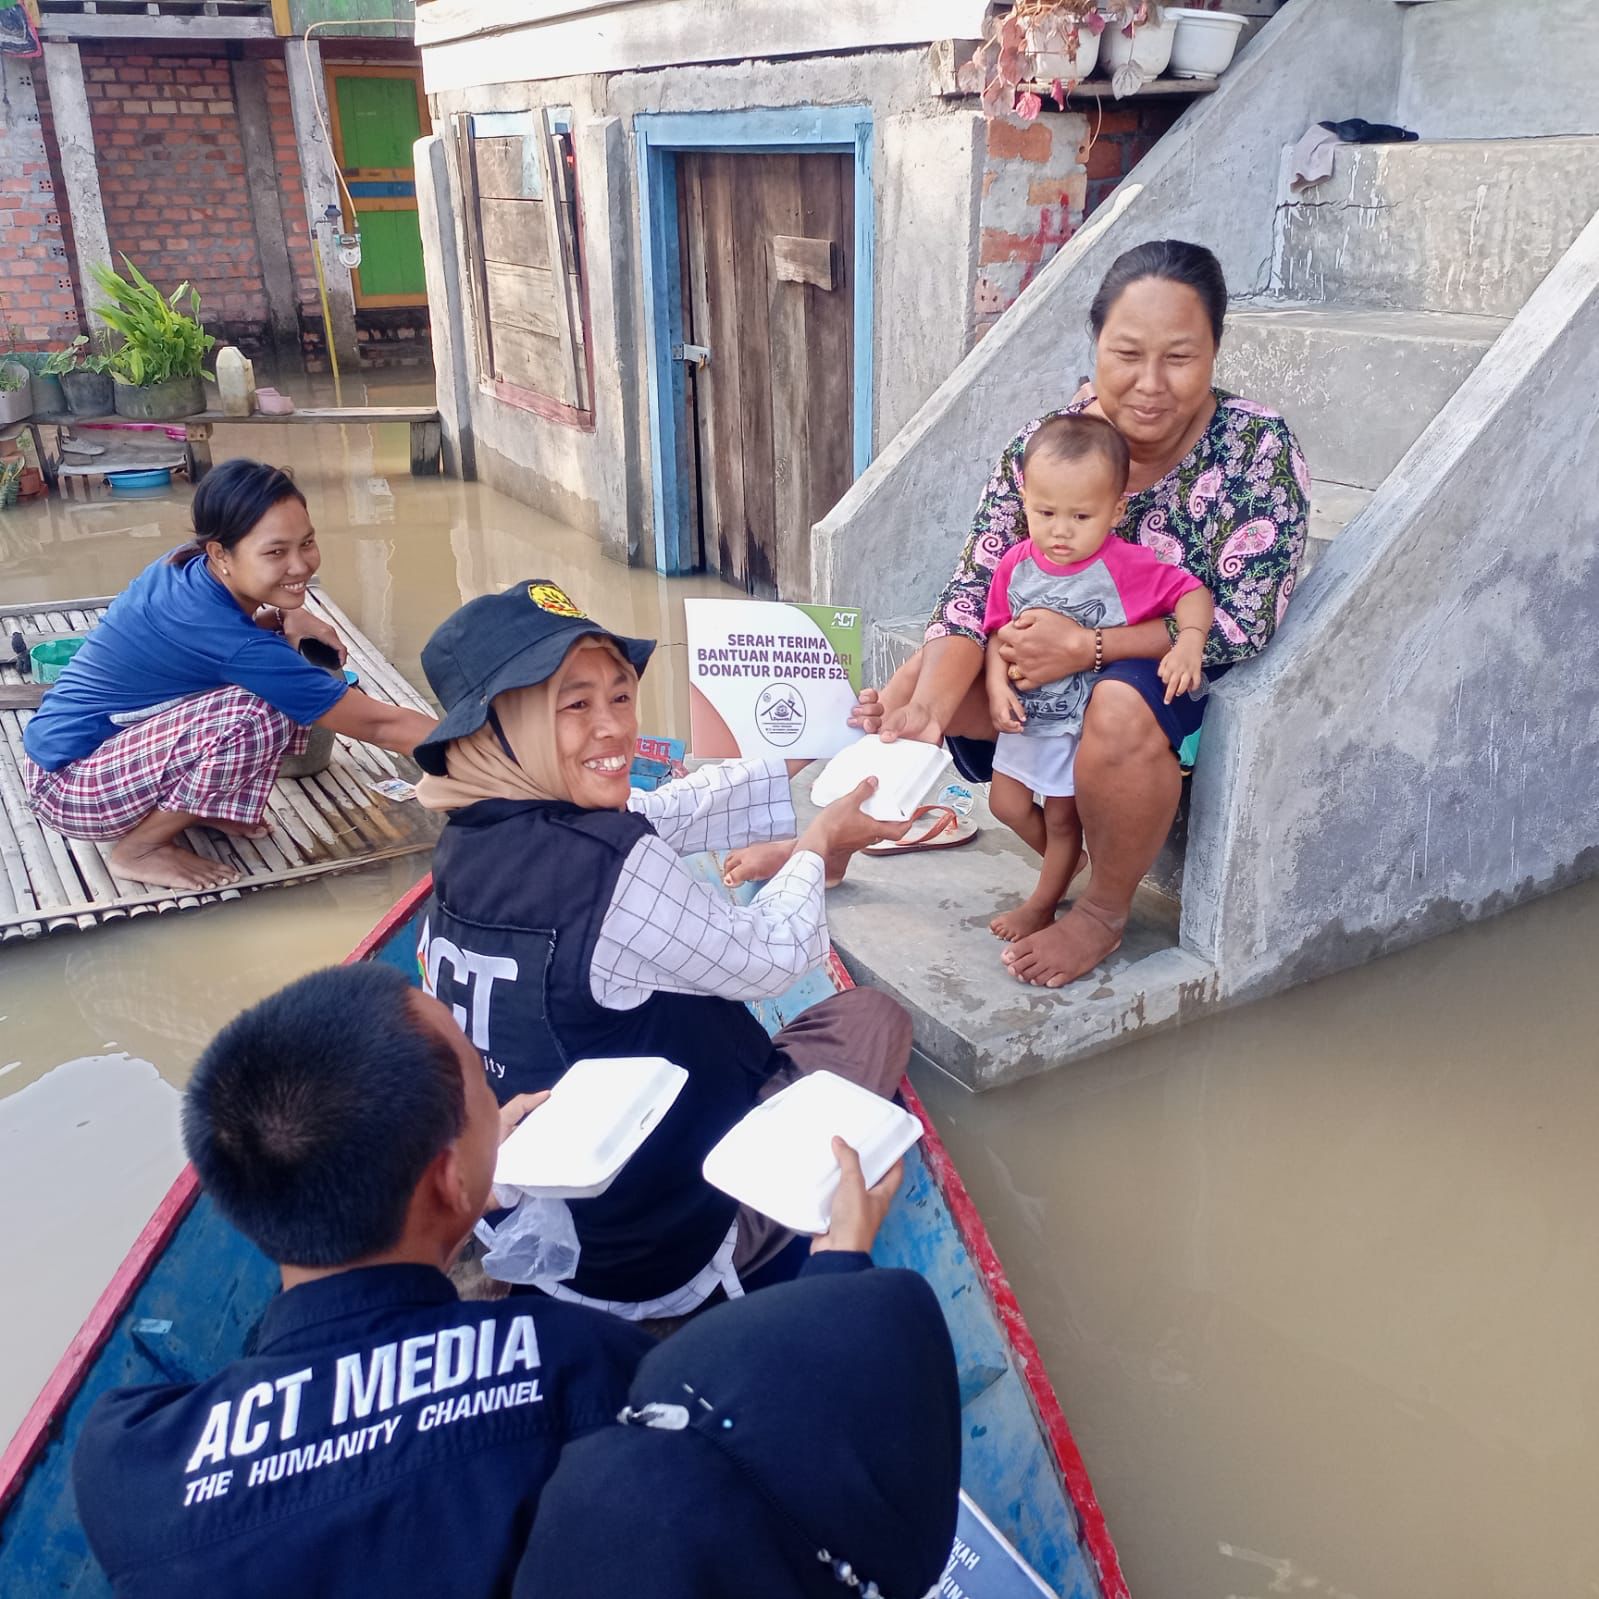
pixel 175 631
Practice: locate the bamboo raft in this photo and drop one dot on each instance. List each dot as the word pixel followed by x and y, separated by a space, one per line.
pixel 332 822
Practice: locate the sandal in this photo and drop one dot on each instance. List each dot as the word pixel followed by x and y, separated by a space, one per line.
pixel 944 830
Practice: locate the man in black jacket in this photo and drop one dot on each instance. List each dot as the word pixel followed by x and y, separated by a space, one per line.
pixel 383 1437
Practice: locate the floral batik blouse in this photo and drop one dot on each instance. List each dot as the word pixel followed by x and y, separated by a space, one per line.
pixel 1234 511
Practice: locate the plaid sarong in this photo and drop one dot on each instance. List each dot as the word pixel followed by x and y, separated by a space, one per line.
pixel 214 755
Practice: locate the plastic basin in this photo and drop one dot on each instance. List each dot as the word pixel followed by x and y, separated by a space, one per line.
pixel 50 658
pixel 1204 42
pixel 147 481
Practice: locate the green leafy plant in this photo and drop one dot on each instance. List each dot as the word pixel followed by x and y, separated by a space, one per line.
pixel 161 335
pixel 79 356
pixel 13 376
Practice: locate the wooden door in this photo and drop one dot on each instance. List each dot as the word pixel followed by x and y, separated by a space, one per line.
pixel 768 291
pixel 378 115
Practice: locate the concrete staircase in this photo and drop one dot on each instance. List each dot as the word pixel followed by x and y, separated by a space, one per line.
pixel 1393 279
pixel 1404 326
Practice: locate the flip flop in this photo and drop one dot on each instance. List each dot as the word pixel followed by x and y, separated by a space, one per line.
pixel 945 830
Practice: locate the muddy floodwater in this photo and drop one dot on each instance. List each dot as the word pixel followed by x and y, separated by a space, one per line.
pixel 1318 1280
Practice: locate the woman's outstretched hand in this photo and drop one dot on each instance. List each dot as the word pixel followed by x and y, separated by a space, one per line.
pixel 1044 646
pixel 843 827
pixel 868 712
pixel 909 721
pixel 299 624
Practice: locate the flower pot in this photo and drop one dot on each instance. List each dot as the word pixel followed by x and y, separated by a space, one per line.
pixel 160 402
pixel 89 393
pixel 1051 63
pixel 16 405
pixel 1147 53
pixel 48 400
pixel 1204 42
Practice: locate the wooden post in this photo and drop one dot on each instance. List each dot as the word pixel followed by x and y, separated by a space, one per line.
pixel 308 97
pixel 197 437
pixel 426 440
pixel 69 105
pixel 266 208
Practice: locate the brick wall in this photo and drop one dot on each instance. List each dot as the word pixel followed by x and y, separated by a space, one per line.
pixel 172 178
pixel 1041 181
pixel 1034 188
pixel 1121 138
pixel 36 294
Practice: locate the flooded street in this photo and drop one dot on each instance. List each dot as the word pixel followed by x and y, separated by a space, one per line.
pixel 1317 1279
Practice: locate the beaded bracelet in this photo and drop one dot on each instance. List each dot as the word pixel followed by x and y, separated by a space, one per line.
pixel 1099 649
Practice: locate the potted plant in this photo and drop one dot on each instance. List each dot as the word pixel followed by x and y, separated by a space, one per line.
pixel 16 402
pixel 158 368
pixel 85 374
pixel 1045 46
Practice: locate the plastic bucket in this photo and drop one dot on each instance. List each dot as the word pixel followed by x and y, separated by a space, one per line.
pixel 50 658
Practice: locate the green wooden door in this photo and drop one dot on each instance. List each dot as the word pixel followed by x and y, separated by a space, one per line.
pixel 377 118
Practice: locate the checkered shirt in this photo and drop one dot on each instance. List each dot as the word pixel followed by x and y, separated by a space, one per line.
pixel 664 932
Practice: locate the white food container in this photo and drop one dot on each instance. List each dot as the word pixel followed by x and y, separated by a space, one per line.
pixel 594 1121
pixel 1204 41
pixel 779 1160
pixel 904 770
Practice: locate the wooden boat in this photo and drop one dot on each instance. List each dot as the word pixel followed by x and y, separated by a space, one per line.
pixel 184 1300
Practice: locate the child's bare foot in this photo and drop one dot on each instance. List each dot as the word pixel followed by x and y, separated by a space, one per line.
pixel 1025 920
pixel 760 863
pixel 168 866
pixel 237 829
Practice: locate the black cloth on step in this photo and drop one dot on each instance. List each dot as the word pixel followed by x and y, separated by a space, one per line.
pixel 1357 130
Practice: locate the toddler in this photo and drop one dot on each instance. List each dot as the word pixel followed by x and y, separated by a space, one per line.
pixel 1074 481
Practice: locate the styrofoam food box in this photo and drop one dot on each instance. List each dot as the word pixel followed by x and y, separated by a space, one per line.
pixel 779 1159
pixel 598 1114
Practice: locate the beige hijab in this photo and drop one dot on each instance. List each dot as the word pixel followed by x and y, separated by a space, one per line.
pixel 477 766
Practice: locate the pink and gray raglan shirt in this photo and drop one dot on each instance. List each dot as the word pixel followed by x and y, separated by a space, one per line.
pixel 1120 585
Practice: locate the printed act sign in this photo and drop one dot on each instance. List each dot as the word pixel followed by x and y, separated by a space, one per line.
pixel 771 680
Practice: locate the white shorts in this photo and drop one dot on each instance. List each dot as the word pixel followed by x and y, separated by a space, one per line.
pixel 1044 764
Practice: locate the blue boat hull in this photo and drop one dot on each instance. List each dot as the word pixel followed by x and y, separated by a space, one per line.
pixel 185 1302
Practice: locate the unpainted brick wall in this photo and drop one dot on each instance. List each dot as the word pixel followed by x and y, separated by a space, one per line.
pixel 1121 138
pixel 1043 179
pixel 172 177
pixel 37 302
pixel 1034 188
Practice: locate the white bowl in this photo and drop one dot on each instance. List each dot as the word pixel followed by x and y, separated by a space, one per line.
pixel 1149 49
pixel 1204 42
pixel 1052 64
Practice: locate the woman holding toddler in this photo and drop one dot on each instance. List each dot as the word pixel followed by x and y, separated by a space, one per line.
pixel 1216 485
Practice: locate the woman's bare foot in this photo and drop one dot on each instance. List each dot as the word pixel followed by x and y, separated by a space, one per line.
pixel 1067 950
pixel 1025 919
pixel 168 866
pixel 760 863
pixel 237 829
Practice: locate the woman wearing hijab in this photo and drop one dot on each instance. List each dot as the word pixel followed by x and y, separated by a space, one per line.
pixel 564 925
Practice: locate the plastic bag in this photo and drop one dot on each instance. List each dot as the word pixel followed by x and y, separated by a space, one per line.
pixel 536 1242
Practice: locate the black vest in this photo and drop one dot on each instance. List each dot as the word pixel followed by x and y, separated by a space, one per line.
pixel 520 890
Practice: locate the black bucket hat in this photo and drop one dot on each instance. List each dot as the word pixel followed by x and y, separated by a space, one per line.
pixel 499 642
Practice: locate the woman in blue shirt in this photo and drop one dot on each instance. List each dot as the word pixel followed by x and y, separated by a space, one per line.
pixel 183 702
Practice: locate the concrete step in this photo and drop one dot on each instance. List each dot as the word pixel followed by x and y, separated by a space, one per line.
pixel 1357 386
pixel 1333 506
pixel 917 926
pixel 1470 225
